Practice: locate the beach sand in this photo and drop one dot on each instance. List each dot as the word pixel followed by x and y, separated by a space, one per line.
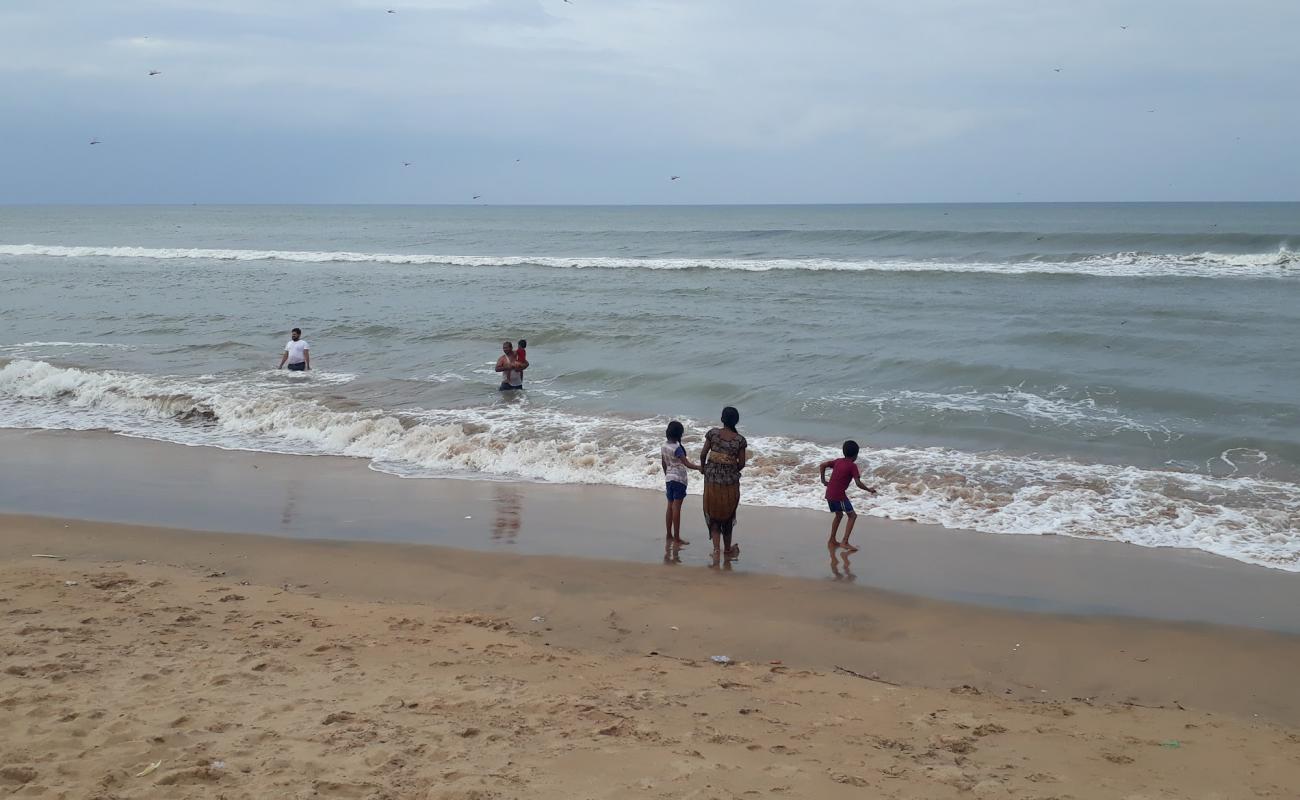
pixel 256 667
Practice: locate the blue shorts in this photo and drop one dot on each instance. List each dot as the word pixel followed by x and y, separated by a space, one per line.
pixel 676 490
pixel 841 505
pixel 505 387
pixel 301 366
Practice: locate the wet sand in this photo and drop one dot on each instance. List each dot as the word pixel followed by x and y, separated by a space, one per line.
pixel 112 478
pixel 163 663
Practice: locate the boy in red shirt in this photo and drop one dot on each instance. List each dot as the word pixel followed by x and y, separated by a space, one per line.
pixel 843 470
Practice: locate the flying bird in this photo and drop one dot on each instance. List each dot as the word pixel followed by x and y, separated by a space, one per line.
pixel 675 178
pixel 1123 27
pixel 407 163
pixel 477 196
pixel 391 11
pixel 1057 69
pixel 153 72
pixel 94 141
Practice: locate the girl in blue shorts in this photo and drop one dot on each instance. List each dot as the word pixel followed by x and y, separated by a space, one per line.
pixel 675 463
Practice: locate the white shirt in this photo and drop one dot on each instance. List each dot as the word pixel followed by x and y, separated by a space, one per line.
pixel 676 469
pixel 296 350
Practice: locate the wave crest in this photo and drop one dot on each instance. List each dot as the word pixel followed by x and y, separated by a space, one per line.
pixel 1280 264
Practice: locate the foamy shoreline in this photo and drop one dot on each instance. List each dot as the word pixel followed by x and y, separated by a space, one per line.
pixel 119 479
pixel 1244 517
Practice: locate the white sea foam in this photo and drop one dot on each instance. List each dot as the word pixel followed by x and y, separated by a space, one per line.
pixel 1279 264
pixel 276 376
pixel 64 346
pixel 1062 407
pixel 1247 518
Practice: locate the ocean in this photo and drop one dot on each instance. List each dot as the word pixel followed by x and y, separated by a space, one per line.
pixel 1109 371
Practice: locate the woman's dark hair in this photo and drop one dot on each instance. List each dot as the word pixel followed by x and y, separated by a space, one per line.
pixel 850 449
pixel 730 417
pixel 674 431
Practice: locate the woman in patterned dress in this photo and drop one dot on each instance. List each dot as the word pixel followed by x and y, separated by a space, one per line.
pixel 723 457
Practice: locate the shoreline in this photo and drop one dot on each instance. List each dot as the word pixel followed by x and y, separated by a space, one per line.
pixel 101 476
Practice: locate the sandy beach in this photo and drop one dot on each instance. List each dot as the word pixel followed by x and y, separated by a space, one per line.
pixel 253 666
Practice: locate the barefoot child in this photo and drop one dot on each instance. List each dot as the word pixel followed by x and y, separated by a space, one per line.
pixel 843 470
pixel 675 463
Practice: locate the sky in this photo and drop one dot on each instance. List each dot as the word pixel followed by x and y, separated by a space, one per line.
pixel 603 101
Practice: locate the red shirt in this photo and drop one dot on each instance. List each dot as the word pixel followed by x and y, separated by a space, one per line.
pixel 842 473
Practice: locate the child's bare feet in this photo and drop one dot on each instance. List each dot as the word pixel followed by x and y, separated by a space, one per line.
pixel 833 543
pixel 680 542
pixel 850 548
pixel 734 551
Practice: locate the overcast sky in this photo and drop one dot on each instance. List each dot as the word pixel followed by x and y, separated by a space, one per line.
pixel 601 101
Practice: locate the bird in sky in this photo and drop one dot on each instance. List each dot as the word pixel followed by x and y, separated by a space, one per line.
pixel 675 178
pixel 153 72
pixel 477 196
pixel 94 141
pixel 391 11
pixel 1123 27
pixel 1057 69
pixel 407 163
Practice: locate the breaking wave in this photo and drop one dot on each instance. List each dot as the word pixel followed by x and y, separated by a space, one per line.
pixel 1280 264
pixel 1247 518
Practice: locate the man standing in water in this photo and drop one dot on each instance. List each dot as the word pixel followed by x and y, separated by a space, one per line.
pixel 296 352
pixel 512 377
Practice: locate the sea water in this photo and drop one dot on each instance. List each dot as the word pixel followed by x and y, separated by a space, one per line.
pixel 1117 371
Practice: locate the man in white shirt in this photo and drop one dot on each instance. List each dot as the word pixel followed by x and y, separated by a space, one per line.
pixel 296 352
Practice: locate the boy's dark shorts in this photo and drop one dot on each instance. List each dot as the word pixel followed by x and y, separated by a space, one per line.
pixel 676 490
pixel 841 505
pixel 301 366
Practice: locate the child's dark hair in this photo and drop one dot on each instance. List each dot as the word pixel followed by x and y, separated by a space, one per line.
pixel 850 449
pixel 730 417
pixel 522 343
pixel 674 431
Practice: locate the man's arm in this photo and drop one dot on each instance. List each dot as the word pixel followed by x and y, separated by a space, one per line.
pixel 503 364
pixel 825 465
pixel 306 359
pixel 283 358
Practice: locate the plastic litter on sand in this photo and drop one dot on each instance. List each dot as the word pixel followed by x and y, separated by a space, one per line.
pixel 155 765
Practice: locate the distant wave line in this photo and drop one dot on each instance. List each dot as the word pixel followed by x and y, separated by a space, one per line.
pixel 1280 264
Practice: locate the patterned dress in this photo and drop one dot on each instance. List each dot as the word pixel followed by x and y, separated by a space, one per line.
pixel 722 481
